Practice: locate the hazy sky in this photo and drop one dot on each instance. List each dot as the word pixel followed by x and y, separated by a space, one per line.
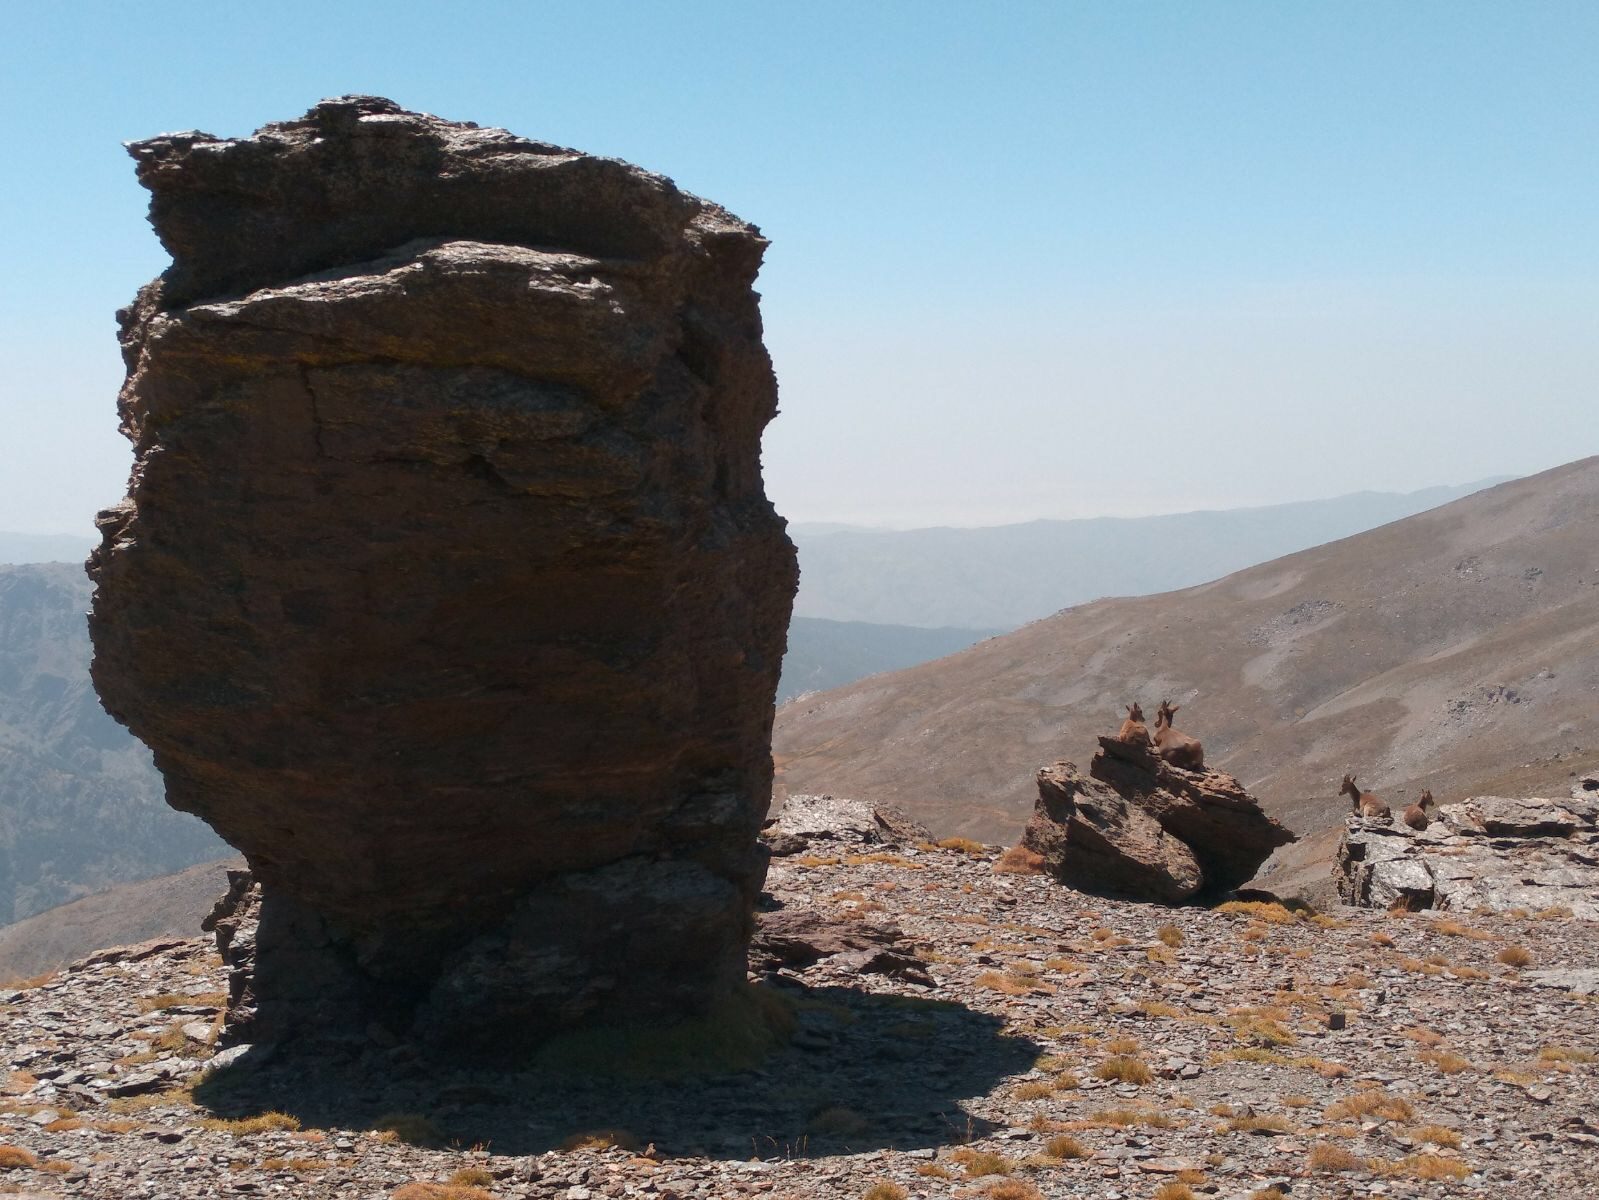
pixel 1054 259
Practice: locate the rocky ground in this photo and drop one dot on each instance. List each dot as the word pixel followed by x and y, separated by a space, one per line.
pixel 960 1033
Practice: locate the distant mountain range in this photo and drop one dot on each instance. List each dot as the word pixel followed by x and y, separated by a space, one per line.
pixel 1003 576
pixel 81 805
pixel 828 654
pixel 19 548
pixel 80 801
pixel 1457 649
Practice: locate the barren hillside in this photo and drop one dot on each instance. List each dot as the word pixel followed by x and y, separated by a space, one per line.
pixel 1457 649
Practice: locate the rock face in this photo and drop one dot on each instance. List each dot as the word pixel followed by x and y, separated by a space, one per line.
pixel 1486 853
pixel 1137 826
pixel 446 587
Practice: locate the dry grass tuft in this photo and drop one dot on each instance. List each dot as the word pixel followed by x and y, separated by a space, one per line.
pixel 1034 1089
pixel 884 1190
pixel 1271 1123
pixel 15 1158
pixel 1268 911
pixel 1382 939
pixel 1431 1166
pixel 1170 935
pixel 1270 1193
pixel 1566 1054
pixel 439 1191
pixel 1159 1008
pixel 173 999
pixel 1122 1045
pixel 472 1177
pixel 269 1122
pixel 1446 1061
pixel 1438 1135
pixel 1124 1068
pixel 412 1128
pixel 1064 1146
pixel 1012 983
pixel 961 845
pixel 977 1163
pixel 935 1171
pixel 1450 928
pixel 1019 860
pixel 1371 1103
pixel 1012 1189
pixel 1173 1190
pixel 1514 956
pixel 1327 1159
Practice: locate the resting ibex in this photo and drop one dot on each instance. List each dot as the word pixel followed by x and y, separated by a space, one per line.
pixel 1176 748
pixel 1416 815
pixel 1133 730
pixel 1365 803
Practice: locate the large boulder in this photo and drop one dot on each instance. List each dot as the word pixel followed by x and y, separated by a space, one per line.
pixel 1137 826
pixel 446 587
pixel 1488 853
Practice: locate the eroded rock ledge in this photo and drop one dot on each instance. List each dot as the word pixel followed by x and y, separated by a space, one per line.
pixel 446 587
pixel 1486 853
pixel 1137 826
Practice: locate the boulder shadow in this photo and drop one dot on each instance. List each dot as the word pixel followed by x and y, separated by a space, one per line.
pixel 861 1071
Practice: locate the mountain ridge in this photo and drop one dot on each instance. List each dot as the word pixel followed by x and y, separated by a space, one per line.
pixel 1003 576
pixel 1430 651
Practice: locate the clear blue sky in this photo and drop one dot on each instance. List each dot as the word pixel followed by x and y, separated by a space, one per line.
pixel 1028 259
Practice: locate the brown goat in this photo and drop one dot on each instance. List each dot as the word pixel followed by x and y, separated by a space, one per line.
pixel 1133 730
pixel 1366 804
pixel 1416 815
pixel 1176 748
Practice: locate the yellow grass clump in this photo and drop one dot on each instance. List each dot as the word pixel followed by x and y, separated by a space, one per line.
pixel 977 1163
pixel 883 1190
pixel 269 1122
pixel 1372 1103
pixel 1124 1068
pixel 1514 956
pixel 962 845
pixel 1268 911
pixel 1327 1159
pixel 15 1158
pixel 1019 860
pixel 1446 1061
pixel 1064 1146
pixel 1431 1166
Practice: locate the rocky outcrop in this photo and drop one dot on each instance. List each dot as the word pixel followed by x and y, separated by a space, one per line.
pixel 1138 826
pixel 1488 853
pixel 822 822
pixel 446 587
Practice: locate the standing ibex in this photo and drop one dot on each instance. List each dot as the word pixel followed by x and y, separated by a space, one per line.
pixel 1365 803
pixel 1176 748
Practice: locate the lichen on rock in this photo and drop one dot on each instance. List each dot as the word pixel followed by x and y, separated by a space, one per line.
pixel 446 587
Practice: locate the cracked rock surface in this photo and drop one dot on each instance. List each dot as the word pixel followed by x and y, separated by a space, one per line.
pixel 446 587
pixel 1491 853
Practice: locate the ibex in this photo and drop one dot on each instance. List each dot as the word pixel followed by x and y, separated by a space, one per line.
pixel 1176 748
